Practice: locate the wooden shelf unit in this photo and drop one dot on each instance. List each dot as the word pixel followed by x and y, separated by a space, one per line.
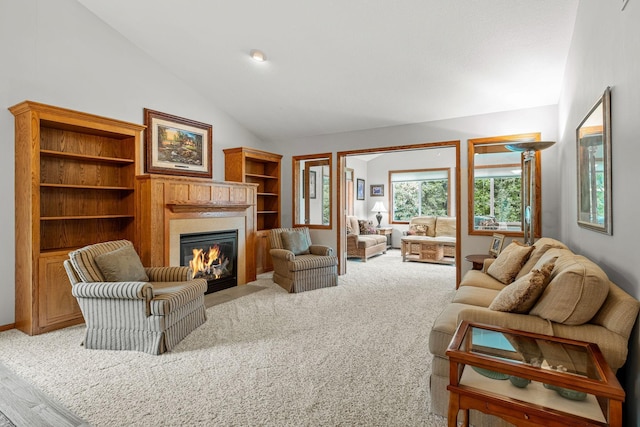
pixel 75 180
pixel 249 165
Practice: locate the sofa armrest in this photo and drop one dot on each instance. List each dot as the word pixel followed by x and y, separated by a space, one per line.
pixel 168 274
pixel 113 290
pixel 522 322
pixel 322 250
pixel 282 254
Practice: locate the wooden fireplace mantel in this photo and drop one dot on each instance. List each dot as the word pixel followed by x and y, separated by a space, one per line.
pixel 161 198
pixel 178 206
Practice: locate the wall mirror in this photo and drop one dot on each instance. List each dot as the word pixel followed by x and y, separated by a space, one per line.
pixel 495 186
pixel 593 137
pixel 312 191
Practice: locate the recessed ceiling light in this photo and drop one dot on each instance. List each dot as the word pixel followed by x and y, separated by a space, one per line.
pixel 258 55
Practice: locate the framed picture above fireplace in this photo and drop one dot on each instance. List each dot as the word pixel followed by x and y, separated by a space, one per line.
pixel 177 146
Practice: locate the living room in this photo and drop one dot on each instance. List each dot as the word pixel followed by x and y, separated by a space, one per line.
pixel 61 53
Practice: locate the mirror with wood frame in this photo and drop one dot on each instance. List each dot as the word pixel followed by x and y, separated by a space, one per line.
pixel 312 190
pixel 593 137
pixel 495 186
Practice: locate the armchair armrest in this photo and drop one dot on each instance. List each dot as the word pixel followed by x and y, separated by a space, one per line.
pixel 282 254
pixel 321 250
pixel 113 290
pixel 168 274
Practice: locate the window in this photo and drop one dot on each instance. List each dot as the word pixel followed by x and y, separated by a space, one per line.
pixel 419 193
pixel 495 185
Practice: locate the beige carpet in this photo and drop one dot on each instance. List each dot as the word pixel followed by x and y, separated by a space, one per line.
pixel 353 355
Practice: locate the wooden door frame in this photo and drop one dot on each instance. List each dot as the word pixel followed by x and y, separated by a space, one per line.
pixel 342 162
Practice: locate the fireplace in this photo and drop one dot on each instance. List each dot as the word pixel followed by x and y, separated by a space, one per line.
pixel 212 255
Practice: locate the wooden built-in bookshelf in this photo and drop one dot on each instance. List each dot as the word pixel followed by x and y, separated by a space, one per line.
pixel 249 165
pixel 75 179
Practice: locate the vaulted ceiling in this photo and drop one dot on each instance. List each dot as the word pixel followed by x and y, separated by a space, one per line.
pixel 344 65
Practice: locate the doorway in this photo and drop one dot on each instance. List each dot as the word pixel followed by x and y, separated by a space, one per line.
pixel 345 195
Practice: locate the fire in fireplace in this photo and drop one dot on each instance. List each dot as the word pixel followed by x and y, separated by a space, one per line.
pixel 212 256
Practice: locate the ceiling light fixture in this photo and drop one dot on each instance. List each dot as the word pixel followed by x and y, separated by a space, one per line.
pixel 258 55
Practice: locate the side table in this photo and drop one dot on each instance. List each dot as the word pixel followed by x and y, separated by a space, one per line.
pixel 477 260
pixel 385 231
pixel 530 379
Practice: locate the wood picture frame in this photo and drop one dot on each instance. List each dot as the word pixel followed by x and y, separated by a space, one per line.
pixel 496 244
pixel 360 189
pixel 177 146
pixel 593 153
pixel 376 190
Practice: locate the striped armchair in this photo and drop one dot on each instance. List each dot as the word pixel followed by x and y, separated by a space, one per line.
pixel 298 265
pixel 145 315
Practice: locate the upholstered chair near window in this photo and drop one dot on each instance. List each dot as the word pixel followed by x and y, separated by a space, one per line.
pixel 129 307
pixel 299 265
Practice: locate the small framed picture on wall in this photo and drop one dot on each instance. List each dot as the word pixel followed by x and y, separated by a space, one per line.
pixel 360 189
pixel 377 190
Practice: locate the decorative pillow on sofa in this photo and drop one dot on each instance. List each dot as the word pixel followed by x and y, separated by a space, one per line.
pixel 541 247
pixel 366 227
pixel 577 290
pixel 418 230
pixel 122 265
pixel 509 262
pixel 522 294
pixel 295 241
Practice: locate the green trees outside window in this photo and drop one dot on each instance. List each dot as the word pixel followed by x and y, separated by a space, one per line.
pixel 419 193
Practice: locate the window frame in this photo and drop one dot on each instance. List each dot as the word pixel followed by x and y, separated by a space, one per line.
pixel 392 220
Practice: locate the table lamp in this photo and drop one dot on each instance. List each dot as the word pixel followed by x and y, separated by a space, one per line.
pixel 378 207
pixel 529 149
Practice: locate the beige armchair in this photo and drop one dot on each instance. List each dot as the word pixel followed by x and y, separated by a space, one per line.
pixel 298 265
pixel 129 307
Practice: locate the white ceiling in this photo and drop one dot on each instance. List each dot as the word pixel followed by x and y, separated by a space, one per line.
pixel 343 65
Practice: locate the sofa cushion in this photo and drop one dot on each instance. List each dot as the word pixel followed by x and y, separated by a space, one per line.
pixel 366 241
pixel 121 265
pixel 577 290
pixel 445 226
pixel 509 262
pixel 478 279
pixel 295 241
pixel 541 246
pixel 522 294
pixel 471 295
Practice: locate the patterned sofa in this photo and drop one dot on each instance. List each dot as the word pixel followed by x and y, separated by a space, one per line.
pixel 362 240
pixel 574 300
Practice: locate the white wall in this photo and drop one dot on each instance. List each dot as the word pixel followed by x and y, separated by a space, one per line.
pixel 59 53
pixel 360 171
pixel 605 51
pixel 542 119
pixel 377 172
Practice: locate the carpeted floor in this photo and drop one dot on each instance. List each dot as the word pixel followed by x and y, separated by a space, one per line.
pixel 352 355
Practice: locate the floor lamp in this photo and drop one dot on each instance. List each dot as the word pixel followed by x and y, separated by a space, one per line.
pixel 529 183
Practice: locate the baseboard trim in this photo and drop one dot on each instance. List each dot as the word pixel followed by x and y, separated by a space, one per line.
pixel 7 327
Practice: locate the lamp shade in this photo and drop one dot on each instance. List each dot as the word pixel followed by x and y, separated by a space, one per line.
pixel 378 207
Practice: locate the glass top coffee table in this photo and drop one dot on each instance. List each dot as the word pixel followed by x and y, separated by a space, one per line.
pixel 530 379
